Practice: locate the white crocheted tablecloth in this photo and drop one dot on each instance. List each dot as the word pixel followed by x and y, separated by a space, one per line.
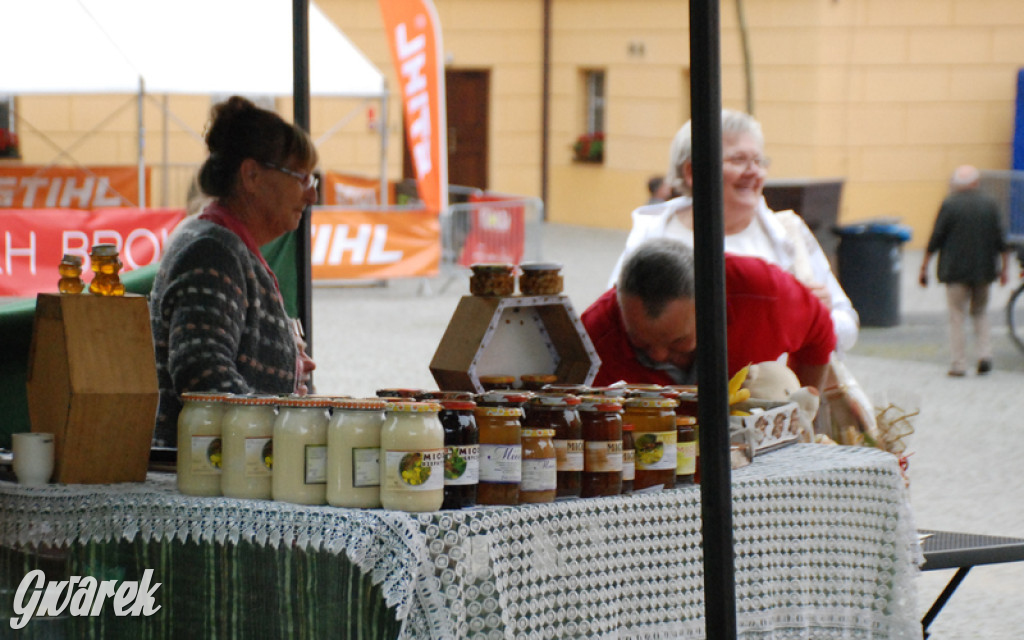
pixel 825 548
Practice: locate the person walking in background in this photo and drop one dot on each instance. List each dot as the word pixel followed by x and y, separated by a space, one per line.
pixel 751 228
pixel 657 189
pixel 969 237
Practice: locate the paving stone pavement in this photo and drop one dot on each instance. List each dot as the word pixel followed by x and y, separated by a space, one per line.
pixel 964 450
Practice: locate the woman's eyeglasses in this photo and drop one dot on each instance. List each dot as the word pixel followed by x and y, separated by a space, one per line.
pixel 742 161
pixel 307 180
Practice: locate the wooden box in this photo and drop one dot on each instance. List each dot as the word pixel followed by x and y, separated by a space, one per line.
pixel 92 383
pixel 513 335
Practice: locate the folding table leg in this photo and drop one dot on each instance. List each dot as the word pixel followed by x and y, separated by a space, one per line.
pixel 940 602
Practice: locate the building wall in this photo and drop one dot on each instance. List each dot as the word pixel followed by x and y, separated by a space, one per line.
pixel 890 95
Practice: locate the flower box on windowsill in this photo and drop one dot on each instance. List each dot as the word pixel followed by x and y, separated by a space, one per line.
pixel 589 148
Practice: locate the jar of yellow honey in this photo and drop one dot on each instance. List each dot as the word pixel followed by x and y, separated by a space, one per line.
pixel 106 265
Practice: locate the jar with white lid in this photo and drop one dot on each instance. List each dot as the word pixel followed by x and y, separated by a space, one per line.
pixel 247 442
pixel 199 443
pixel 412 457
pixel 300 450
pixel 353 453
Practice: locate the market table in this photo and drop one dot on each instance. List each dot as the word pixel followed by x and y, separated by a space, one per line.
pixel 825 547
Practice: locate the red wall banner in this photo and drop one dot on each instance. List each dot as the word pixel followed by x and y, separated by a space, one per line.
pixel 32 242
pixel 42 187
pixel 414 33
pixel 374 245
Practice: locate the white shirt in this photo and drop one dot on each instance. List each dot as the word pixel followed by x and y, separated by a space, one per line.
pixel 768 240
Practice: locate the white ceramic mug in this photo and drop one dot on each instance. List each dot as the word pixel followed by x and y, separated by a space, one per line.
pixel 33 457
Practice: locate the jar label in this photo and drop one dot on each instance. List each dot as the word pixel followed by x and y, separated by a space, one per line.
pixel 628 465
pixel 316 464
pixel 655 450
pixel 259 457
pixel 414 470
pixel 539 475
pixel 686 458
pixel 365 467
pixel 569 454
pixel 602 456
pixel 206 455
pixel 462 464
pixel 501 463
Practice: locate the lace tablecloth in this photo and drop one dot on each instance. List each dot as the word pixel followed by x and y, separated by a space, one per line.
pixel 825 548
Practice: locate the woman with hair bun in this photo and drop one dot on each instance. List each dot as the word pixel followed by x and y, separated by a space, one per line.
pixel 218 319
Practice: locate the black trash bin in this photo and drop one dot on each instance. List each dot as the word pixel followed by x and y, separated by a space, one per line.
pixel 870 265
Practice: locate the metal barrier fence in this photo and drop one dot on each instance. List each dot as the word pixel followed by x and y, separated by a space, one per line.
pixel 492 229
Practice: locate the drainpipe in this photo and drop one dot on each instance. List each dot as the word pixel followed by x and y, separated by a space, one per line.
pixel 545 123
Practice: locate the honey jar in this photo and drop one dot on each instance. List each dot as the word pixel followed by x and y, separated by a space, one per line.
pixel 492 280
pixel 536 381
pixel 353 452
pixel 601 420
pixel 559 412
pixel 539 475
pixel 199 443
pixel 70 270
pixel 106 265
pixel 300 450
pixel 501 453
pixel 540 279
pixel 654 423
pixel 247 437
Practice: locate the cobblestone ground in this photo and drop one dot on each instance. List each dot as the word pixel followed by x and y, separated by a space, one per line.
pixel 964 451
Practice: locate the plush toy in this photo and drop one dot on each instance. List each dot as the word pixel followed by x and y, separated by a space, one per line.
pixel 772 380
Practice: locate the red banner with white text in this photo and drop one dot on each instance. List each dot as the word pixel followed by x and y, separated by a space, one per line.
pixel 414 33
pixel 32 242
pixel 42 187
pixel 374 245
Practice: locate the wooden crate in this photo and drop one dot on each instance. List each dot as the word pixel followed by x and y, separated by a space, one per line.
pixel 92 383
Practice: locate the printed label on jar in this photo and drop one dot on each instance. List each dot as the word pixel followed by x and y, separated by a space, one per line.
pixel 206 455
pixel 501 463
pixel 656 450
pixel 603 455
pixel 569 454
pixel 462 464
pixel 628 464
pixel 316 464
pixel 365 467
pixel 539 475
pixel 414 470
pixel 686 458
pixel 259 457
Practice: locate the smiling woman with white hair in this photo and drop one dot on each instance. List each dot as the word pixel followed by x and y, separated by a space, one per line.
pixel 751 228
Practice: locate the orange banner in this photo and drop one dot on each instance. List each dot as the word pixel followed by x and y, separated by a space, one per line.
pixel 40 187
pixel 414 33
pixel 33 241
pixel 347 190
pixel 374 245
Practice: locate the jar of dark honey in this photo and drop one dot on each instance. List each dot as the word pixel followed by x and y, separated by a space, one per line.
pixel 654 422
pixel 628 459
pixel 462 453
pixel 496 382
pixel 536 381
pixel 601 420
pixel 492 280
pixel 559 412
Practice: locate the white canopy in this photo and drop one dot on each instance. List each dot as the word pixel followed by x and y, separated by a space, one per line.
pixel 183 46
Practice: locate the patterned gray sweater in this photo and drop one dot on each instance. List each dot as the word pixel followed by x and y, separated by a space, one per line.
pixel 218 322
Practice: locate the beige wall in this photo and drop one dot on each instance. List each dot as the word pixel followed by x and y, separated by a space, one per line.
pixel 888 94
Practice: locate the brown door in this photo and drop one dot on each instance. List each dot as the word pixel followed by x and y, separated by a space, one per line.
pixel 467 104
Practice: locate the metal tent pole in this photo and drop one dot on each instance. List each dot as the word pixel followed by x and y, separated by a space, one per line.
pixel 300 91
pixel 709 235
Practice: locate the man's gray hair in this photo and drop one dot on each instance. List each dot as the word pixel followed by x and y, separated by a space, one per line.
pixel 681 151
pixel 964 178
pixel 658 272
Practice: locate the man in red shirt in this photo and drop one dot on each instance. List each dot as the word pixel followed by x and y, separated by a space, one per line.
pixel 645 330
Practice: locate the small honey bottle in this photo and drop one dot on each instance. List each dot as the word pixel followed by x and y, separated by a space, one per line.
pixel 70 270
pixel 106 265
